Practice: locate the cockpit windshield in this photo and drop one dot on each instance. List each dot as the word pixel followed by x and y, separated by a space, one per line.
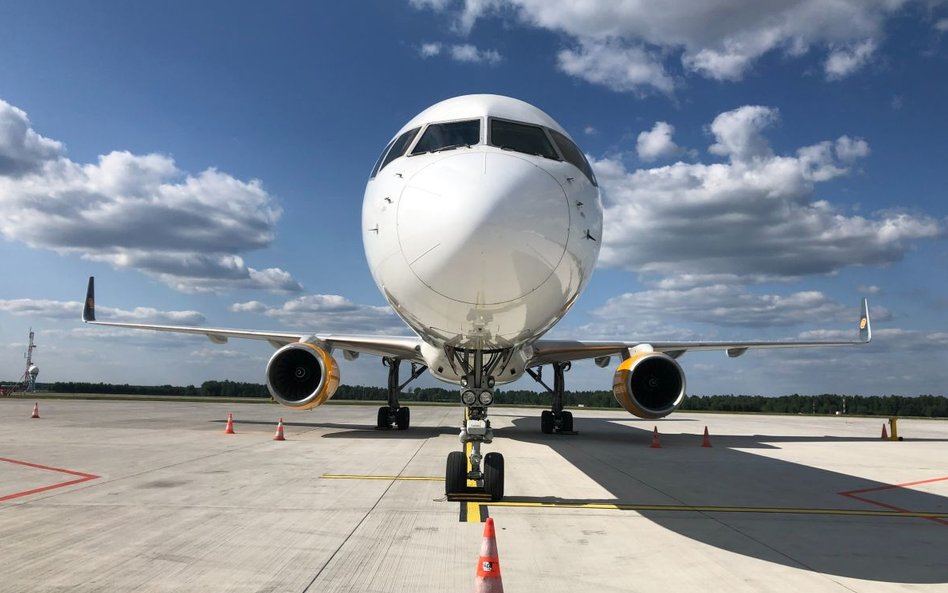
pixel 521 138
pixel 395 149
pixel 449 135
pixel 574 155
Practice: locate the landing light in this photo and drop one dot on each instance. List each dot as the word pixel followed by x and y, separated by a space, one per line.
pixel 486 398
pixel 468 397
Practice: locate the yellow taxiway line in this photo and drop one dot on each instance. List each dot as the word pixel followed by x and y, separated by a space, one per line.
pixel 474 510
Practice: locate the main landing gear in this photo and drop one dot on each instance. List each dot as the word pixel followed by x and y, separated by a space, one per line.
pixel 557 420
pixel 477 394
pixel 393 415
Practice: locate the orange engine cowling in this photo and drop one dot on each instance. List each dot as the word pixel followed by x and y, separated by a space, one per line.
pixel 302 375
pixel 649 385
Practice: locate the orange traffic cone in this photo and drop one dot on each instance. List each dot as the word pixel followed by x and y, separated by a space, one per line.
pixel 279 433
pixel 706 441
pixel 488 578
pixel 230 425
pixel 36 411
pixel 656 444
pixel 885 435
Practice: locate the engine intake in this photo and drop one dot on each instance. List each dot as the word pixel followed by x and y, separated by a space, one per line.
pixel 649 385
pixel 302 375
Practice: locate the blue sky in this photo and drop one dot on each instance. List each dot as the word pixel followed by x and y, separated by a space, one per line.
pixel 764 165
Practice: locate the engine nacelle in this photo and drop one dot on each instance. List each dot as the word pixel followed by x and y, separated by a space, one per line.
pixel 649 385
pixel 302 375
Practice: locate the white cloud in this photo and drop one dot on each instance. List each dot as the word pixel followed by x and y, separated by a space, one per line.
pixel 738 133
pixel 465 53
pixel 471 54
pixel 755 216
pixel 136 211
pixel 849 149
pixel 941 25
pixel 50 309
pixel 721 40
pixel 616 65
pixel 22 150
pixel 429 50
pixel 843 61
pixel 325 313
pixel 657 143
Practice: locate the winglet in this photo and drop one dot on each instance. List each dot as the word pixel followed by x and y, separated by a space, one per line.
pixel 865 329
pixel 88 309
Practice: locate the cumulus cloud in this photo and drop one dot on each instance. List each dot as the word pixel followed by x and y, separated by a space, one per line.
pixel 720 40
pixel 657 143
pixel 754 216
pixel 466 52
pixel 726 305
pixel 51 309
pixel 618 66
pixel 325 313
pixel 845 60
pixel 135 211
pixel 22 150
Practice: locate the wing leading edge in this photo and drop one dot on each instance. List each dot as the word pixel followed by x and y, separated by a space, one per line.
pixel 406 348
pixel 549 351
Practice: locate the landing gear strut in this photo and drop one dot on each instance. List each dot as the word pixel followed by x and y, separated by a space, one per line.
pixel 393 415
pixel 477 394
pixel 557 420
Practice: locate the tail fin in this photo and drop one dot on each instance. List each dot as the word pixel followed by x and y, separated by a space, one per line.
pixel 88 309
pixel 865 329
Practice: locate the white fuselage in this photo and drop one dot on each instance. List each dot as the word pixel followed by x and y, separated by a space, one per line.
pixel 477 246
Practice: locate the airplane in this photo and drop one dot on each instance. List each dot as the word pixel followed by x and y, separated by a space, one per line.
pixel 482 223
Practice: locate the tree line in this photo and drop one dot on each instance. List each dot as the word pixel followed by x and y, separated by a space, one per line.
pixel 931 406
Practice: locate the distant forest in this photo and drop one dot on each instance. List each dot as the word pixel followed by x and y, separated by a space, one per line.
pixel 931 406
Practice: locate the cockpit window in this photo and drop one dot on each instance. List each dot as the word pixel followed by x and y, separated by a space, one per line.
pixel 395 149
pixel 449 135
pixel 521 138
pixel 574 155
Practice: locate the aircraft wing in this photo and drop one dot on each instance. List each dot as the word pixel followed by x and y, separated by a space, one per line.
pixel 549 351
pixel 404 347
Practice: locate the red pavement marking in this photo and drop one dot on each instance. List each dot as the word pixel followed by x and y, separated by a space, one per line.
pixel 854 495
pixel 82 478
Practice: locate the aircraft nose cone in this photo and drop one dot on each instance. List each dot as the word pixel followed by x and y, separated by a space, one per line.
pixel 483 227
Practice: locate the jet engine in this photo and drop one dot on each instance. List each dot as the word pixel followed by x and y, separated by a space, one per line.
pixel 302 375
pixel 649 385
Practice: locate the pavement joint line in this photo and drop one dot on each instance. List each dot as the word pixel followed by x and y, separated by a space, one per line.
pixel 361 521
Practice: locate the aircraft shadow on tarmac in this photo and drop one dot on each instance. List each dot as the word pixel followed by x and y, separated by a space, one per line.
pixel 617 456
pixel 681 473
pixel 891 549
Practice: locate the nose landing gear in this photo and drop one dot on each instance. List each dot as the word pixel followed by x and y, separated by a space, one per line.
pixel 487 471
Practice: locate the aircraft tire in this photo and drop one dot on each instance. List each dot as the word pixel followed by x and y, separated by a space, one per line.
pixel 403 418
pixel 494 476
pixel 546 422
pixel 567 425
pixel 382 422
pixel 455 475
